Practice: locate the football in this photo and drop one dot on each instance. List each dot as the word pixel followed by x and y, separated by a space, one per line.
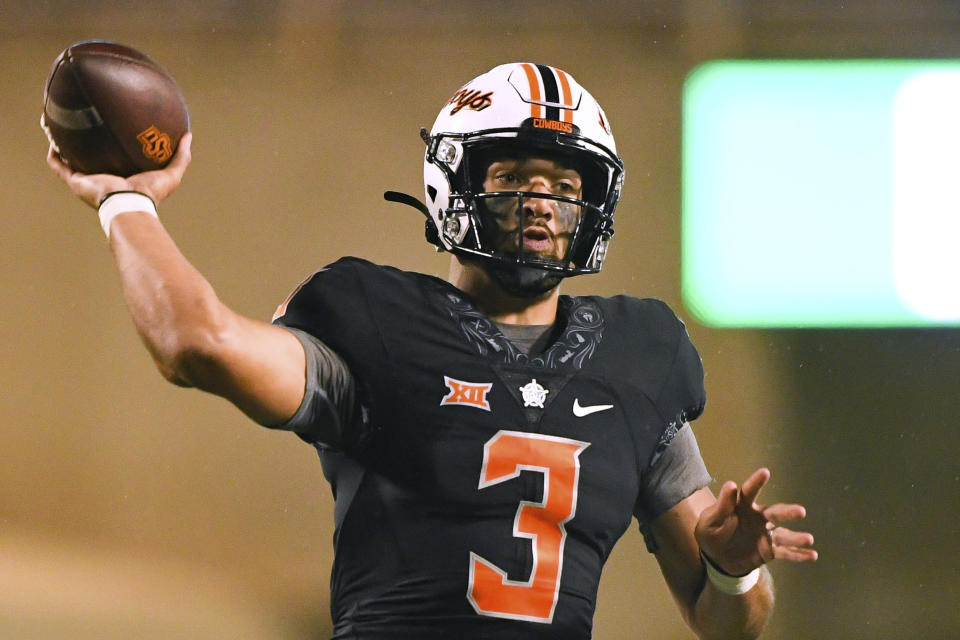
pixel 108 108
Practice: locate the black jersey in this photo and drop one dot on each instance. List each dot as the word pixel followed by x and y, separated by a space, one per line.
pixel 479 490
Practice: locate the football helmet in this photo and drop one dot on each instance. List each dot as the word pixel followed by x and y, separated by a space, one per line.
pixel 530 111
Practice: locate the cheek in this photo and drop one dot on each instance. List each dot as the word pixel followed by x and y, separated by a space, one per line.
pixel 503 212
pixel 567 217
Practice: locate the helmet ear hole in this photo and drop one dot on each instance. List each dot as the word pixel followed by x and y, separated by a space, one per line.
pixel 432 193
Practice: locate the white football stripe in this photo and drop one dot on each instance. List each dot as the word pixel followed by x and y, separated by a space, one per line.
pixel 77 119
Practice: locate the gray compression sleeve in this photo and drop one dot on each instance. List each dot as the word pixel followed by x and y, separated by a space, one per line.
pixel 677 474
pixel 329 396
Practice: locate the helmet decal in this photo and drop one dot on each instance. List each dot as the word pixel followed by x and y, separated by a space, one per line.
pixel 473 99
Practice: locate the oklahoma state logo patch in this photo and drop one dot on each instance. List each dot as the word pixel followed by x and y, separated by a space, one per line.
pixel 471 394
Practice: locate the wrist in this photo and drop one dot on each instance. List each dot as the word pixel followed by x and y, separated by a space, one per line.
pixel 723 581
pixel 117 202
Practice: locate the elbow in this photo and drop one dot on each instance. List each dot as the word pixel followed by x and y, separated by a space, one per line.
pixel 182 364
pixel 192 361
pixel 190 355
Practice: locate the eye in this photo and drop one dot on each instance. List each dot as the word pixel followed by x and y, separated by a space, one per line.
pixel 508 179
pixel 566 187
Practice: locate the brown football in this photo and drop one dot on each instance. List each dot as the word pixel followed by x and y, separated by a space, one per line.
pixel 109 108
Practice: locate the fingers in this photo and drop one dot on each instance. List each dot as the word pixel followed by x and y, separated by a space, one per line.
pixel 786 544
pixel 753 485
pixel 738 532
pixel 795 554
pixel 717 514
pixel 77 182
pixel 780 513
pixel 183 153
pixel 56 164
pixel 793 546
pixel 181 159
pixel 727 500
pixel 783 537
pixel 161 183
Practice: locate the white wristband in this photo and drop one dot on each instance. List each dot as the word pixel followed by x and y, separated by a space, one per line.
pixel 124 202
pixel 733 585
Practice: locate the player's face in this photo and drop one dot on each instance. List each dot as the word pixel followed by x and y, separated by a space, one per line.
pixel 531 224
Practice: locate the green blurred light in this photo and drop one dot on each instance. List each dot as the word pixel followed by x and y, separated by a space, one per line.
pixel 788 190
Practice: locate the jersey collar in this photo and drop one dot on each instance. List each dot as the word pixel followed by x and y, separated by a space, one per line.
pixel 581 318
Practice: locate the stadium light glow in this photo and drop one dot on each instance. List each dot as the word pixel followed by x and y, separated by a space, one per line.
pixel 822 193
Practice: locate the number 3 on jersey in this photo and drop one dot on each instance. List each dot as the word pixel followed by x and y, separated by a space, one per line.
pixel 505 455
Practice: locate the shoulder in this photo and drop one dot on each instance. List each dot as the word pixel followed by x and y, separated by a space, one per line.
pixel 645 323
pixel 349 280
pixel 351 270
pixel 352 301
pixel 646 342
pixel 648 311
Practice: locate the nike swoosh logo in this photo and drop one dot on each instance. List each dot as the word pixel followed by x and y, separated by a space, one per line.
pixel 580 411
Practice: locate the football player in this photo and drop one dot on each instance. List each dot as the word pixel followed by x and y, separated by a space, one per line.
pixel 488 440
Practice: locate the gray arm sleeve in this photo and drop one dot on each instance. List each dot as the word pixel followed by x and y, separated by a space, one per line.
pixel 329 397
pixel 675 475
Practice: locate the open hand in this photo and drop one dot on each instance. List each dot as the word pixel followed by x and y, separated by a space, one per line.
pixel 738 535
pixel 158 184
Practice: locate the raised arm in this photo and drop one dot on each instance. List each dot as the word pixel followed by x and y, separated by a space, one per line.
pixel 737 536
pixel 194 339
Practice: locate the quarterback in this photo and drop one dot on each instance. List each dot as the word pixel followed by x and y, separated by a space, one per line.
pixel 488 440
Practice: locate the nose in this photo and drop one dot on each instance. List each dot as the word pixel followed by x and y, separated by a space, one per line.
pixel 538 207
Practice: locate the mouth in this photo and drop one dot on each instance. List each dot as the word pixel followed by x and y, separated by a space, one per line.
pixel 537 239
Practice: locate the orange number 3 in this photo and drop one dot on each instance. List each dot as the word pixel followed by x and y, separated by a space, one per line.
pixel 505 455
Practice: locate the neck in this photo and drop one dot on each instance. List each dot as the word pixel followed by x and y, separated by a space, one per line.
pixel 497 304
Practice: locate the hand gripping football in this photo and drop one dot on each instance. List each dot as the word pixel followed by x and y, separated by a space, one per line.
pixel 107 108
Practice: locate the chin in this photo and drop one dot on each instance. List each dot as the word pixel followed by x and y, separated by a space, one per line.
pixel 524 282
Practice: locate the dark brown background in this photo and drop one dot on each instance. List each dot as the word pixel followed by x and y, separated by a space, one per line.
pixel 132 509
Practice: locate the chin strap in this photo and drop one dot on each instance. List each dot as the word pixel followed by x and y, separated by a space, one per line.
pixel 430 227
pixel 403 198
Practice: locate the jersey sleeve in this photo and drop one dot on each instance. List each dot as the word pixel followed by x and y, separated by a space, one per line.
pixel 329 314
pixel 682 397
pixel 329 398
pixel 676 474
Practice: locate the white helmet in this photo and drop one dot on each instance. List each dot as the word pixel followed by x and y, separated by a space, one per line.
pixel 536 110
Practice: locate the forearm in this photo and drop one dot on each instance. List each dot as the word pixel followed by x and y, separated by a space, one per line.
pixel 173 307
pixel 195 340
pixel 719 615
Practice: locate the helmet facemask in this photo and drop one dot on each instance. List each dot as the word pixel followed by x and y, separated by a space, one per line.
pixel 532 239
pixel 511 229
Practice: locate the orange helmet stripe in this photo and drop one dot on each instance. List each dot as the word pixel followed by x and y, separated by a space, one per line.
pixel 536 111
pixel 567 99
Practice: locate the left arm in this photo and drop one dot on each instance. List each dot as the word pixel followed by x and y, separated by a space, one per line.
pixel 731 530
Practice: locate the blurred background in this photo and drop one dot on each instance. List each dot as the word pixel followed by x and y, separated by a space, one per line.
pixel 133 509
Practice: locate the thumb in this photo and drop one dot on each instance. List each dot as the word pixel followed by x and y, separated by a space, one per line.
pixel 181 159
